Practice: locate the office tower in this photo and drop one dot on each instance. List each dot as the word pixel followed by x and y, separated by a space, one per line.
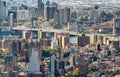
pixel 49 10
pixel 56 17
pixel 94 16
pixel 15 46
pixel 67 14
pixel 33 12
pixel 73 16
pixel 23 14
pixel 11 21
pixel 3 10
pixel 64 15
pixel 52 64
pixel 34 65
pixel 61 15
pixel 40 9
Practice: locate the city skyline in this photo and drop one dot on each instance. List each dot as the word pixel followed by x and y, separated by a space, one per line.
pixel 71 38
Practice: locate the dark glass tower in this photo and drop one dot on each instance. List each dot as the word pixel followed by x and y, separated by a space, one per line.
pixel 40 8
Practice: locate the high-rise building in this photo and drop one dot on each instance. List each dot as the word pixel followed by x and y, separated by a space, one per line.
pixel 40 8
pixel 3 10
pixel 52 64
pixel 11 21
pixel 23 14
pixel 56 17
pixel 64 15
pixel 49 10
pixel 34 65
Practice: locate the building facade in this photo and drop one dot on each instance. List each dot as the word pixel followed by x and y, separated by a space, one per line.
pixel 3 10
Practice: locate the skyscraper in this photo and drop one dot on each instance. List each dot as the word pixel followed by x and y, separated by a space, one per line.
pixel 40 8
pixel 34 65
pixel 52 64
pixel 3 9
pixel 49 10
pixel 64 15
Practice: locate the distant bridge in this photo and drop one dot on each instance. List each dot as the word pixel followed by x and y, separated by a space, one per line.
pixel 54 31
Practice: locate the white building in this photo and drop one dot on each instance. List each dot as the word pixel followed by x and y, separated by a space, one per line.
pixel 52 59
pixel 23 15
pixel 34 65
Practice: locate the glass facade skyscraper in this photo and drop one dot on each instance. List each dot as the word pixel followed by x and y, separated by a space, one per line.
pixel 3 9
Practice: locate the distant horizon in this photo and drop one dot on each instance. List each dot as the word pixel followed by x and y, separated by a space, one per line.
pixel 33 3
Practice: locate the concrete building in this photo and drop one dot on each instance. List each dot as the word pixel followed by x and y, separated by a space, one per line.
pixel 83 67
pixel 23 15
pixel 116 26
pixel 64 15
pixel 83 40
pixel 94 15
pixel 33 12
